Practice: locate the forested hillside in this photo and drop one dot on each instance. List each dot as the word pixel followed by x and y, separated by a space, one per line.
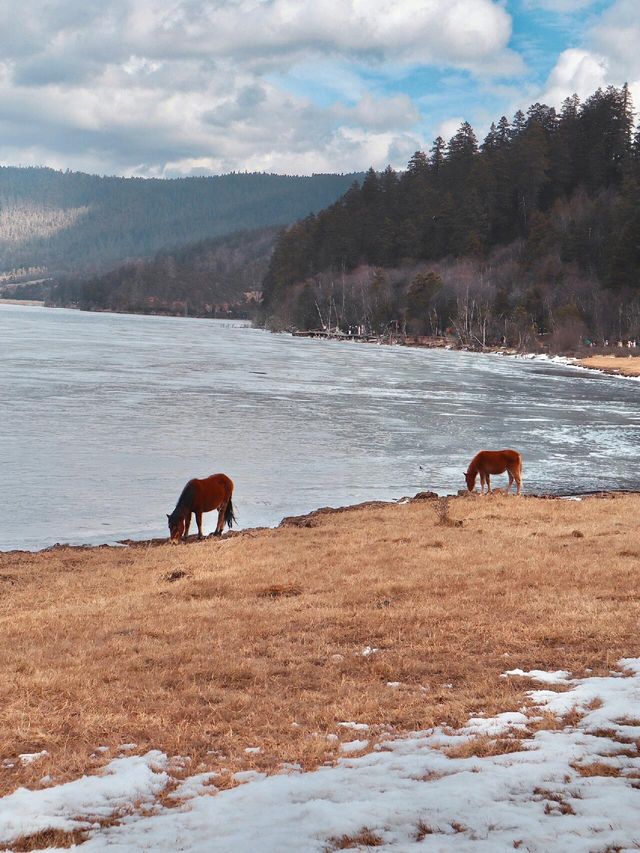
pixel 68 221
pixel 534 231
pixel 211 278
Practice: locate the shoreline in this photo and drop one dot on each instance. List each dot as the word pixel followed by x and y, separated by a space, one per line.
pixel 626 366
pixel 34 303
pixel 311 518
pixel 611 364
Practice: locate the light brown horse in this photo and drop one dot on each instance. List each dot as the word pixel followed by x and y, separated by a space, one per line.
pixel 489 462
pixel 202 496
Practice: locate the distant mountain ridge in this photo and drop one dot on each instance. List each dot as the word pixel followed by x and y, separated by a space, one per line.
pixel 71 221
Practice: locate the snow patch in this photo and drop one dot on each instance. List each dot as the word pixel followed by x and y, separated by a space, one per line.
pixel 194 786
pixel 30 757
pixel 530 795
pixel 359 727
pixel 354 746
pixel 497 725
pixel 560 676
pixel 249 776
pixel 77 804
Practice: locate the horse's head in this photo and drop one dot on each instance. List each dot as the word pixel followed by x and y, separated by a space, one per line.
pixel 176 526
pixel 471 480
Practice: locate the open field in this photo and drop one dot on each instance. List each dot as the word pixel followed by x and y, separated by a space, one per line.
pixel 626 365
pixel 259 640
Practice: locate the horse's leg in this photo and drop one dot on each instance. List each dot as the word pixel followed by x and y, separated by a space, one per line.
pixel 510 481
pixel 187 525
pixel 482 481
pixel 220 524
pixel 519 485
pixel 488 484
pixel 199 523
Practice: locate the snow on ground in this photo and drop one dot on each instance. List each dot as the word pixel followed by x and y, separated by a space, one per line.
pixel 558 677
pixel 571 783
pixel 78 804
pixel 567 361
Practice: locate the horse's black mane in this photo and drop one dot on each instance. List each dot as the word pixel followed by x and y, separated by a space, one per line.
pixel 185 501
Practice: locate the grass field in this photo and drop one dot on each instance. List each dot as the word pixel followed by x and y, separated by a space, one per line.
pixel 260 640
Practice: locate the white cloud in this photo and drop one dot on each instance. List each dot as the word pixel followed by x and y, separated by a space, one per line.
pixel 616 35
pixel 576 71
pixel 609 55
pixel 467 33
pixel 168 86
pixel 397 112
pixel 449 127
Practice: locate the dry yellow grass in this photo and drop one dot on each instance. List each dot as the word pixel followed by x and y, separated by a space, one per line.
pixel 616 365
pixel 206 649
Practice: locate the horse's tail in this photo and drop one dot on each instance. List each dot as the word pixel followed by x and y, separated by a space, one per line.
pixel 229 516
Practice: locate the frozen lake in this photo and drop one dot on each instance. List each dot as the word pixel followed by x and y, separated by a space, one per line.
pixel 104 417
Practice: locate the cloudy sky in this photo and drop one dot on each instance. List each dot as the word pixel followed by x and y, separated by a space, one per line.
pixel 183 87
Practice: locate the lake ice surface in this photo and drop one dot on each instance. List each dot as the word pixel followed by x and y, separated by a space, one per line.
pixel 104 417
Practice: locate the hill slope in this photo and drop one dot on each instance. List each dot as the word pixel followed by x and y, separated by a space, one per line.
pixel 534 231
pixel 64 221
pixel 220 276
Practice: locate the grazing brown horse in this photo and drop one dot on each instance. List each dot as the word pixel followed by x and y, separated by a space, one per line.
pixel 202 496
pixel 489 462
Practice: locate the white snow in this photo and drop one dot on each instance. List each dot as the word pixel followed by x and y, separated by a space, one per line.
pixel 30 757
pixel 498 725
pixel 354 746
pixel 77 804
pixel 194 786
pixel 560 676
pixel 413 793
pixel 358 727
pixel 249 776
pixel 567 361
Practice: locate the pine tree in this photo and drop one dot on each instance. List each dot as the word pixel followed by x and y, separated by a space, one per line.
pixel 437 152
pixel 518 125
pixel 418 165
pixel 503 132
pixel 567 149
pixel 463 146
pixel 491 140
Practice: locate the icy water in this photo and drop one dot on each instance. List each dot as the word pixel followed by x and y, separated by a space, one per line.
pixel 104 417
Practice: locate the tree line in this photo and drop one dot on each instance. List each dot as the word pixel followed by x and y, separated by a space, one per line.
pixel 220 277
pixel 535 231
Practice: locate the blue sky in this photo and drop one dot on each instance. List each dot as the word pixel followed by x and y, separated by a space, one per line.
pixel 179 87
